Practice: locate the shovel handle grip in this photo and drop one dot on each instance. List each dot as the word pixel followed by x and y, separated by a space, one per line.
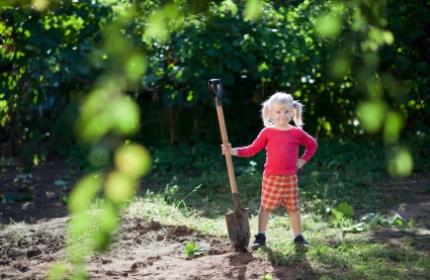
pixel 215 86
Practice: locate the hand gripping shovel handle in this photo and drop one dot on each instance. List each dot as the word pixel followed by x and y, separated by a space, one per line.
pixel 215 86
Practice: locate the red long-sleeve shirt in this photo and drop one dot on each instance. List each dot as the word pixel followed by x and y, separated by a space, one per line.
pixel 282 149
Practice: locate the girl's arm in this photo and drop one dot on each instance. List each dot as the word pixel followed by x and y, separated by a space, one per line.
pixel 310 144
pixel 257 145
pixel 247 151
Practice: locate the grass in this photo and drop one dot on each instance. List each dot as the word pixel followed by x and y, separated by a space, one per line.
pixel 198 196
pixel 350 172
pixel 331 254
pixel 355 256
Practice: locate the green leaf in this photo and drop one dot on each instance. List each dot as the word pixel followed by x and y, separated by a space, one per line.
pixel 371 115
pixel 107 109
pixel 106 218
pixel 135 67
pixel 360 227
pixel 190 249
pixel 393 125
pixel 125 115
pixel 398 220
pixel 120 187
pixel 378 220
pixel 85 191
pixel 228 6
pixel 161 23
pixel 337 214
pixel 252 10
pixel 133 160
pixel 40 5
pixel 401 163
pixel 157 28
pixel 79 227
pixel 328 25
pixel 58 271
pixel 345 208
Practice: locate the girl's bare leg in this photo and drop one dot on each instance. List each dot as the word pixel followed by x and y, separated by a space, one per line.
pixel 263 219
pixel 295 222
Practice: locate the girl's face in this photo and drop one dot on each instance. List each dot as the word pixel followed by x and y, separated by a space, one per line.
pixel 281 114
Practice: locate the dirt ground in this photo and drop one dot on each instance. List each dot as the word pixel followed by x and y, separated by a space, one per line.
pixel 143 250
pixel 32 207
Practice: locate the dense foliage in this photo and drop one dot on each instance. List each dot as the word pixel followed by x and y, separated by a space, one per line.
pixel 329 56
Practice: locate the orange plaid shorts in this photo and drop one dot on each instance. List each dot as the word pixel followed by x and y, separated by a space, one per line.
pixel 280 190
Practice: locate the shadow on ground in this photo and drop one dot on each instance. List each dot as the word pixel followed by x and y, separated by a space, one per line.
pixel 39 194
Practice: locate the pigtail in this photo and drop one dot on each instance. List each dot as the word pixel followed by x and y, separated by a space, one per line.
pixel 265 113
pixel 298 114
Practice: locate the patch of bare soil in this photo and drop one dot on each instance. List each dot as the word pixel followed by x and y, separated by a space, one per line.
pixel 149 250
pixel 26 250
pixel 33 219
pixel 35 195
pixel 142 250
pixel 411 199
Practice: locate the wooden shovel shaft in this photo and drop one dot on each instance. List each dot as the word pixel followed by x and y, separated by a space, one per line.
pixel 225 142
pixel 237 221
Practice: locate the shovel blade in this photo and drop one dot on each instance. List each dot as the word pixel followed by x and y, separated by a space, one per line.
pixel 238 229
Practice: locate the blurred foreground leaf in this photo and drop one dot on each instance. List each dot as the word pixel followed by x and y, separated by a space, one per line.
pixel 120 187
pixel 371 115
pixel 133 160
pixel 252 9
pixel 83 194
pixel 401 163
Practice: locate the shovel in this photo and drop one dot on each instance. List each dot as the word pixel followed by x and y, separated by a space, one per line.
pixel 237 222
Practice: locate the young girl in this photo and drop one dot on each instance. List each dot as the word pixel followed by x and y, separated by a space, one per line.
pixel 282 141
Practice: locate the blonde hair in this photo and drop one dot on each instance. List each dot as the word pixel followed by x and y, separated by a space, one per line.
pixel 283 99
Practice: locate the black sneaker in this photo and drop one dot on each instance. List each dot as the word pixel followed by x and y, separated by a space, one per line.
pixel 300 241
pixel 260 240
